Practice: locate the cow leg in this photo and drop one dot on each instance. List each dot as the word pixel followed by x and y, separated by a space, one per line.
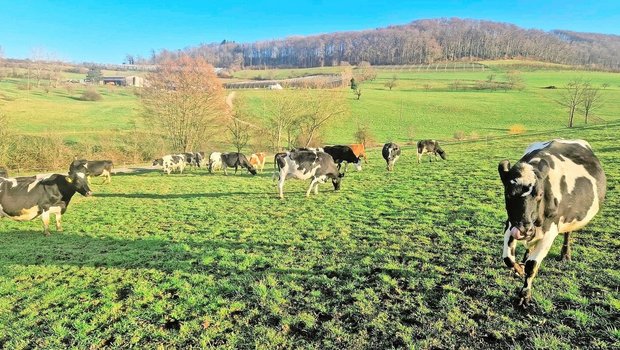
pixel 236 167
pixel 58 222
pixel 419 157
pixel 314 182
pixel 509 253
pixel 538 253
pixel 45 217
pixel 225 172
pixel 565 254
pixel 316 188
pixel 281 179
pixel 525 255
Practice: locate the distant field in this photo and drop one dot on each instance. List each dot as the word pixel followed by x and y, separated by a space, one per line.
pixel 409 259
pixel 424 104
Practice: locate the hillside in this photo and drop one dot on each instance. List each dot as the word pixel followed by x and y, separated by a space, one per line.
pixel 419 42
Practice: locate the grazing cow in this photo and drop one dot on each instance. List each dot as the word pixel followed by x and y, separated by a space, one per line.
pixel 215 161
pixel 236 160
pixel 95 168
pixel 557 187
pixel 390 152
pixel 3 172
pixel 432 148
pixel 359 150
pixel 257 160
pixel 319 166
pixel 26 198
pixel 192 158
pixel 341 154
pixel 171 162
pixel 313 149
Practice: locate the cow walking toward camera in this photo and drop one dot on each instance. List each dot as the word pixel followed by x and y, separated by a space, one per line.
pixel 391 153
pixel 26 198
pixel 557 187
pixel 432 148
pixel 303 165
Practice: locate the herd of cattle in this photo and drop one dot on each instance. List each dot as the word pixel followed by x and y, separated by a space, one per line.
pixel 555 188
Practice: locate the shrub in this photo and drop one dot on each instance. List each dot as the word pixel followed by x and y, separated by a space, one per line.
pixel 516 129
pixel 459 135
pixel 363 135
pixel 91 95
pixel 474 135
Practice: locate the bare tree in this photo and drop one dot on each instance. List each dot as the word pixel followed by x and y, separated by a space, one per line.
pixel 363 135
pixel 185 97
pixel 572 98
pixel 238 133
pixel 591 100
pixel 392 82
pixel 318 108
pixel 281 111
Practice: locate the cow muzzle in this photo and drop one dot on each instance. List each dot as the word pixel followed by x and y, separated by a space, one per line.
pixel 520 233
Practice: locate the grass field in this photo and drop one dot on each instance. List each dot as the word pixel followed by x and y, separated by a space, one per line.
pixel 409 259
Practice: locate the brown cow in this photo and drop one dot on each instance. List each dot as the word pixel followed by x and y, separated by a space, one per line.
pixel 257 160
pixel 359 150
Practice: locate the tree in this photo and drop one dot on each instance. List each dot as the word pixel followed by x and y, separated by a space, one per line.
pixel 94 75
pixel 363 135
pixel 367 71
pixel 572 98
pixel 238 133
pixel 392 82
pixel 591 100
pixel 281 111
pixel 186 99
pixel 358 93
pixel 318 107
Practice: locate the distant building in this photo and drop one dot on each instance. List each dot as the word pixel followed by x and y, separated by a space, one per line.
pixel 131 80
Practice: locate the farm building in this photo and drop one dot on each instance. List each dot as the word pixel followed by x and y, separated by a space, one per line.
pixel 123 81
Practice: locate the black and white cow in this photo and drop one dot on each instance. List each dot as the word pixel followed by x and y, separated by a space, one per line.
pixel 236 160
pixel 557 187
pixel 303 165
pixel 215 161
pixel 342 153
pixel 391 153
pixel 171 162
pixel 95 168
pixel 192 159
pixel 26 198
pixel 432 148
pixel 3 172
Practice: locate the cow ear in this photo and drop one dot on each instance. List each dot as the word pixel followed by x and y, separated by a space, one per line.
pixel 503 168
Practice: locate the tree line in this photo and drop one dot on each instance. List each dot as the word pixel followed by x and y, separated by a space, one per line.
pixel 419 42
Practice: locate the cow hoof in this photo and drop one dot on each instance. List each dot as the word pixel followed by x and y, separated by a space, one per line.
pixel 518 269
pixel 525 298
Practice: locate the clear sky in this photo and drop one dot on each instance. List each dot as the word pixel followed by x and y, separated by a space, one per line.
pixel 106 30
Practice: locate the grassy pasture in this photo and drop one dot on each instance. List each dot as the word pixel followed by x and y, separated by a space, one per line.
pixel 409 259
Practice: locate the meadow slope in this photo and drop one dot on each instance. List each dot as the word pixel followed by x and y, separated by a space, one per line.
pixel 409 259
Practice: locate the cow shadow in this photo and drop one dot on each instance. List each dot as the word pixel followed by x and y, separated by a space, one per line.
pixel 180 195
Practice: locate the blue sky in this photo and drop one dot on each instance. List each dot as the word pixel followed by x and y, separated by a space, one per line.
pixel 107 30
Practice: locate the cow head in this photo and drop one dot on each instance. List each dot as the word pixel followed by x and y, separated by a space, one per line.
pixel 78 179
pixel 251 169
pixel 358 164
pixel 158 161
pixel 441 153
pixel 523 192
pixel 337 180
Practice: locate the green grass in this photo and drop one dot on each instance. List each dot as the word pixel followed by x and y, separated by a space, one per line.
pixel 409 259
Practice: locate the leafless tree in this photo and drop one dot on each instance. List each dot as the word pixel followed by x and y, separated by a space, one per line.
pixel 238 133
pixel 572 98
pixel 186 99
pixel 318 108
pixel 364 135
pixel 591 99
pixel 281 110
pixel 392 82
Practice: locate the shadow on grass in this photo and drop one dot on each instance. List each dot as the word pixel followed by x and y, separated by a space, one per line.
pixel 30 247
pixel 181 195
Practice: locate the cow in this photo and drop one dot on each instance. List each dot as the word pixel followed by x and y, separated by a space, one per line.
pixel 95 168
pixel 215 161
pixel 303 165
pixel 341 154
pixel 257 160
pixel 26 198
pixel 3 172
pixel 359 150
pixel 556 187
pixel 171 162
pixel 236 160
pixel 192 158
pixel 432 148
pixel 313 149
pixel 391 153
